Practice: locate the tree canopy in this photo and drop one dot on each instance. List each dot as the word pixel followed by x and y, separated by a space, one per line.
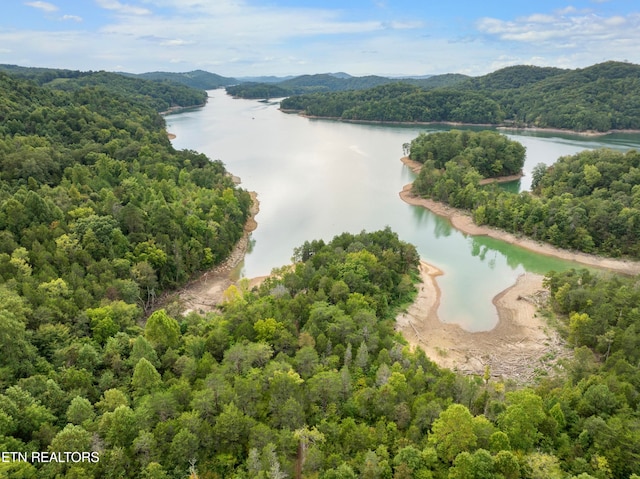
pixel 601 97
pixel 302 376
pixel 586 202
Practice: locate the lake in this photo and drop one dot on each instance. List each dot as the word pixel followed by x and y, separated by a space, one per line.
pixel 318 178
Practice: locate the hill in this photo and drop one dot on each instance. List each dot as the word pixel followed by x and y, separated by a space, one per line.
pixel 160 95
pixel 199 79
pixel 601 97
pixel 333 82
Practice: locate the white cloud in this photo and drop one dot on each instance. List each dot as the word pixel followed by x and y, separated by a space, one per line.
pixel 539 18
pixel 578 29
pixel 615 21
pixel 44 6
pixel 73 18
pixel 122 7
pixel 246 37
pixel 175 43
pixel 567 10
pixel 405 25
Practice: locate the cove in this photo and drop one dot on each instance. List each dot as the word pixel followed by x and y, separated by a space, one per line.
pixel 318 178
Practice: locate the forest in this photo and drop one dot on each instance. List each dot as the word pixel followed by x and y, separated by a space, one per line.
pixel 601 97
pixel 158 93
pixel 588 202
pixel 303 376
pixel 199 79
pixel 488 152
pixel 323 83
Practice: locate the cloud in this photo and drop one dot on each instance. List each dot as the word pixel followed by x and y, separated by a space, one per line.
pixel 406 25
pixel 44 6
pixel 226 23
pixel 540 18
pixel 73 18
pixel 563 29
pixel 177 42
pixel 122 8
pixel 247 37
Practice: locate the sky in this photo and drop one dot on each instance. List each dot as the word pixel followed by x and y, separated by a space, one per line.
pixel 238 38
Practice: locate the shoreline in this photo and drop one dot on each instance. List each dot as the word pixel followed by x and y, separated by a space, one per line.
pixel 513 349
pixel 179 109
pixel 462 221
pixel 206 292
pixel 588 133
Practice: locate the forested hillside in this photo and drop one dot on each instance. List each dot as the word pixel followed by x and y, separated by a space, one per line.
pixel 586 202
pixel 399 102
pixel 601 98
pixel 488 152
pixel 99 214
pixel 304 376
pixel 333 83
pixel 160 95
pixel 199 79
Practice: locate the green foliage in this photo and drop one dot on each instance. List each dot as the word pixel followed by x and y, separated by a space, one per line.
pixel 199 79
pixel 452 432
pixel 601 97
pixel 587 202
pixel 399 102
pixel 161 94
pixel 305 372
pixel 332 83
pixel 488 152
pixel 162 331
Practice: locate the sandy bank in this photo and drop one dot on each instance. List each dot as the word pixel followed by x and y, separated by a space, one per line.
pixel 205 293
pixel 462 221
pixel 519 347
pixel 502 127
pixel 563 131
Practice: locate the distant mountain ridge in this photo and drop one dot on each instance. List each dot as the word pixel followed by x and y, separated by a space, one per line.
pixel 335 82
pixel 195 79
pixel 160 95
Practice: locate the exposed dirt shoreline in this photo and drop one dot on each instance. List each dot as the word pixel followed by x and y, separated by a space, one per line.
pixel 520 346
pixel 205 293
pixel 456 123
pixel 461 220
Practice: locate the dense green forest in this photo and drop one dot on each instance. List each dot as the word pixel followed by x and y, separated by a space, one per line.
pixel 306 375
pixel 488 152
pixel 601 97
pixel 303 376
pixel 399 102
pixel 588 202
pixel 198 79
pixel 322 83
pixel 160 95
pixel 253 90
pixel 90 178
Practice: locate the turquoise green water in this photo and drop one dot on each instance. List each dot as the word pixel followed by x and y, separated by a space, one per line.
pixel 316 179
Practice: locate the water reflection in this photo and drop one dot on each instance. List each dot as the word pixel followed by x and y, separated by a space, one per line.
pixel 442 228
pixel 316 179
